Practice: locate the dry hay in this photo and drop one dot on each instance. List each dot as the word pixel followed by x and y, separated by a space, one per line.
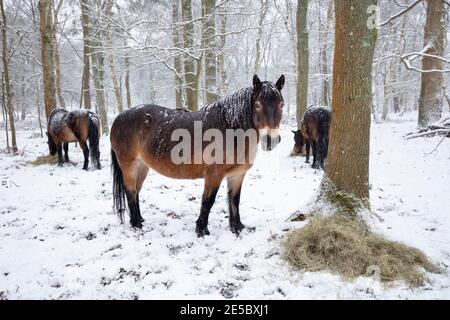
pixel 346 246
pixel 47 159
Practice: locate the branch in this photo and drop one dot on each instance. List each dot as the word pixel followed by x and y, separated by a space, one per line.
pixel 395 16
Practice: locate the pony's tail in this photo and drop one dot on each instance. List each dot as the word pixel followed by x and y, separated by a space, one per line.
pixel 94 138
pixel 118 187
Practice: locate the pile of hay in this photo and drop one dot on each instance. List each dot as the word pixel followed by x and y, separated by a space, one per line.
pixel 346 246
pixel 47 159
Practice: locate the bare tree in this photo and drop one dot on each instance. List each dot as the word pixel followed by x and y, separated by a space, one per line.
pixel 47 54
pixel 209 41
pixel 177 43
pixel 86 95
pixel 432 85
pixel 6 83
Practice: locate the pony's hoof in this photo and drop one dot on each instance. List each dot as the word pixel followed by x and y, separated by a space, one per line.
pixel 85 168
pixel 60 164
pixel 137 224
pixel 201 232
pixel 236 228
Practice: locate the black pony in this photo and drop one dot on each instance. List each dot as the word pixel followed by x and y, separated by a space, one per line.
pixel 76 126
pixel 315 131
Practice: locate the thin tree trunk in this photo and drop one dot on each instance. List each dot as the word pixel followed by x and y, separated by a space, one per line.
pixel 5 112
pixel 62 103
pixel 221 55
pixel 8 96
pixel 112 65
pixel 303 59
pixel 127 80
pixel 325 98
pixel 431 91
pixel 347 171
pixel 190 75
pixel 98 74
pixel 47 54
pixel 262 16
pixel 209 40
pixel 177 43
pixel 86 53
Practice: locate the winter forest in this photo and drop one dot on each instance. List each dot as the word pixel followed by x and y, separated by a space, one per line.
pixel 346 197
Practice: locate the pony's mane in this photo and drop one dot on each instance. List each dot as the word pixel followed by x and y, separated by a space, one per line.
pixel 235 110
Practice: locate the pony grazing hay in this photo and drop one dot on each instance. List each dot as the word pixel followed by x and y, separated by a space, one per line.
pixel 346 246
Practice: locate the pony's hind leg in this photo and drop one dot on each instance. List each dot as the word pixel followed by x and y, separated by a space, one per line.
pixel 85 149
pixel 66 152
pixel 308 150
pixel 142 174
pixel 130 173
pixel 234 198
pixel 212 184
pixel 60 155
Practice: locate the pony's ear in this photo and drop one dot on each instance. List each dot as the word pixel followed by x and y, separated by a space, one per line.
pixel 47 133
pixel 294 132
pixel 280 83
pixel 256 82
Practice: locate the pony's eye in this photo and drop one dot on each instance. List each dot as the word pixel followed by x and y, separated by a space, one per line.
pixel 258 106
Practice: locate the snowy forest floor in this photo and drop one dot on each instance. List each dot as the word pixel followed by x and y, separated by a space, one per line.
pixel 59 237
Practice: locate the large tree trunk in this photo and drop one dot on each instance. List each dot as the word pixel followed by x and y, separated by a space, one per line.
pixel 62 102
pixel 347 170
pixel 190 74
pixel 7 84
pixel 431 91
pixel 209 41
pixel 303 59
pixel 98 73
pixel 177 43
pixel 112 65
pixel 86 52
pixel 47 54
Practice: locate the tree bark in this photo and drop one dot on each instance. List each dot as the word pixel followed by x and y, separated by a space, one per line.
pixel 86 52
pixel 347 170
pixel 178 66
pixel 303 59
pixel 127 80
pixel 190 74
pixel 209 41
pixel 431 91
pixel 47 54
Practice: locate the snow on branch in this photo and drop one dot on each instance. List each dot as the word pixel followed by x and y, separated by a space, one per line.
pixel 395 16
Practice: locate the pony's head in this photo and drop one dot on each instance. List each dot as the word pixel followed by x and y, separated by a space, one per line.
pixel 267 110
pixel 299 140
pixel 51 145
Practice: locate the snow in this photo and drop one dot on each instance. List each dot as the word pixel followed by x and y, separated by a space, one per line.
pixel 59 236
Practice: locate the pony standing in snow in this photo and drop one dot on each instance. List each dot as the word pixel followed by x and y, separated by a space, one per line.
pixel 315 131
pixel 143 138
pixel 76 126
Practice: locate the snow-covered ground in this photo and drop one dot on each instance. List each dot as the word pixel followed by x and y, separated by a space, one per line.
pixel 59 237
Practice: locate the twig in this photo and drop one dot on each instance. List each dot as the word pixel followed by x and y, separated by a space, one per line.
pixel 440 142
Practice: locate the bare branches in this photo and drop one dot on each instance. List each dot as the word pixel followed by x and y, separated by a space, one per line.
pixel 395 16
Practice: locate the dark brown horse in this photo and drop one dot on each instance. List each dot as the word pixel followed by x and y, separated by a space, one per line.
pixel 76 126
pixel 315 131
pixel 143 138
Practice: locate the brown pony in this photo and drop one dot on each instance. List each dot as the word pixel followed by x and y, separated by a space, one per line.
pixel 142 138
pixel 314 130
pixel 76 126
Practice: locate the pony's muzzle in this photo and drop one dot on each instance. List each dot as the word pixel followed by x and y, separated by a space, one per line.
pixel 268 143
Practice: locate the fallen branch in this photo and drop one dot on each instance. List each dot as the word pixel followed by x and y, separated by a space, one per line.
pixel 429 133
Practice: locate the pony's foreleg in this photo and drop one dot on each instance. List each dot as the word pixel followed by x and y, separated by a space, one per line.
pixel 212 185
pixel 66 151
pixel 60 156
pixel 234 198
pixel 85 149
pixel 308 149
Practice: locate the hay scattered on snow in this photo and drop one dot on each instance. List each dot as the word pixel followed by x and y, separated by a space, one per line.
pixel 47 159
pixel 346 246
